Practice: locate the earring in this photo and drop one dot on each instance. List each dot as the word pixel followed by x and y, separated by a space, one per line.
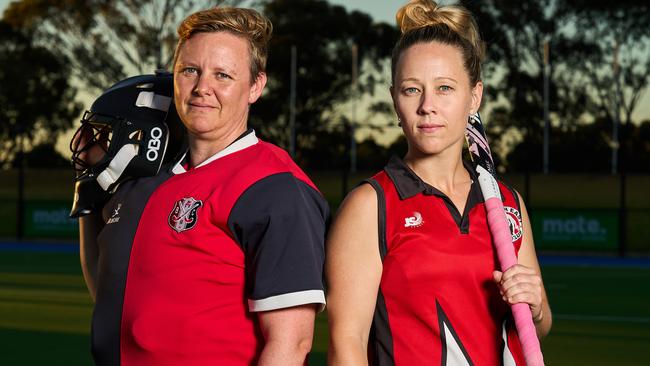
pixel 399 122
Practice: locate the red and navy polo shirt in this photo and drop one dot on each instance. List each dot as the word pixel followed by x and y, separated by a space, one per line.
pixel 437 302
pixel 187 257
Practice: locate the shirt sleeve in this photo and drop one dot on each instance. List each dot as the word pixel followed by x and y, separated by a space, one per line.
pixel 280 223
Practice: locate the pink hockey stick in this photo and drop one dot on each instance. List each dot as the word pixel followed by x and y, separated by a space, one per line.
pixel 497 221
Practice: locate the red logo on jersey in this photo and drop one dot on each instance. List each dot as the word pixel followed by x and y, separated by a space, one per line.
pixel 514 222
pixel 184 216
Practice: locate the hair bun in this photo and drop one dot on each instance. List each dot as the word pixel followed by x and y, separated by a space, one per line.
pixel 417 14
pixel 423 13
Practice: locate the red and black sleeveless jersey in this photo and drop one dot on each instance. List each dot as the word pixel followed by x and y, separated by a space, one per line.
pixel 188 257
pixel 438 303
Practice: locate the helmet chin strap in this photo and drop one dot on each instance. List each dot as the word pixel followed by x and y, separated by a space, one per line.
pixel 118 164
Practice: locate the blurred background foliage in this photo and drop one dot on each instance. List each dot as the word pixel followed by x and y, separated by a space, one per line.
pixel 55 51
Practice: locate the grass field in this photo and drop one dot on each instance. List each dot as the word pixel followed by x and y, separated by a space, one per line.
pixel 601 313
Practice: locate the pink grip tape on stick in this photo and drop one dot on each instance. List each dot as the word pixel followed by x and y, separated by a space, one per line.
pixel 507 258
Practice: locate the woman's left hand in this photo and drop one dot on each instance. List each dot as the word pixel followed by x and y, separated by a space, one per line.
pixel 521 284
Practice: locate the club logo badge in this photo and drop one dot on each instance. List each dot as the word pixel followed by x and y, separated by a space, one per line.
pixel 514 222
pixel 184 214
pixel 414 221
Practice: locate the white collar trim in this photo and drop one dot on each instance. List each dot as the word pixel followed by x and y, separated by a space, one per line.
pixel 247 141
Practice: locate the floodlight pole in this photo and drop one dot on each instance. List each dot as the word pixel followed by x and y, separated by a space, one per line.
pixel 547 121
pixel 292 102
pixel 618 159
pixel 20 204
pixel 615 115
pixel 353 141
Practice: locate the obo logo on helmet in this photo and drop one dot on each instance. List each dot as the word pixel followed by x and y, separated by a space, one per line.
pixel 154 144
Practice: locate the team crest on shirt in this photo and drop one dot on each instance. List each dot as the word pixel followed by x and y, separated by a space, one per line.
pixel 414 221
pixel 184 214
pixel 514 222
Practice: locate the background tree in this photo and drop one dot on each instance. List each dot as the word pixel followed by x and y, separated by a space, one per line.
pixel 36 98
pixel 514 32
pixel 105 41
pixel 323 35
pixel 618 61
pixel 584 86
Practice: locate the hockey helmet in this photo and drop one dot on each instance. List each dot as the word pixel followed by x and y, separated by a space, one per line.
pixel 136 125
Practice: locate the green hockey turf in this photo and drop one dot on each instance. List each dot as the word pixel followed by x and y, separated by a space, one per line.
pixel 601 313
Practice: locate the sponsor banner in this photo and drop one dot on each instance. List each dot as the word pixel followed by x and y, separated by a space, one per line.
pixel 575 229
pixel 49 219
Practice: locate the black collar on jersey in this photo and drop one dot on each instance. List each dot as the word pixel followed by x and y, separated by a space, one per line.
pixel 246 133
pixel 408 184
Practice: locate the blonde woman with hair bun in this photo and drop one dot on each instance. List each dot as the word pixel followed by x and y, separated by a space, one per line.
pixel 411 271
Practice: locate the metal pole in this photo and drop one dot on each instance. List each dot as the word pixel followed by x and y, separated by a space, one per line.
pixel 619 158
pixel 346 164
pixel 292 103
pixel 353 141
pixel 547 121
pixel 20 203
pixel 615 121
pixel 622 207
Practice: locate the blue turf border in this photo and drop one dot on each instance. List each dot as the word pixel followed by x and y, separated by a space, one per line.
pixel 42 247
pixel 593 261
